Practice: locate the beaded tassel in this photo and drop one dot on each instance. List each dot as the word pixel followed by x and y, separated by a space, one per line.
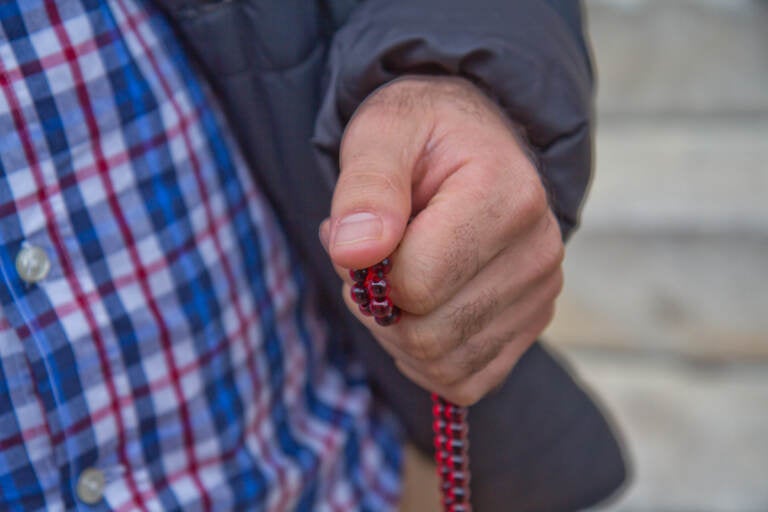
pixel 370 292
pixel 450 427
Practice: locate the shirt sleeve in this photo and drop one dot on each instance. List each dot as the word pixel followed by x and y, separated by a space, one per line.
pixel 532 60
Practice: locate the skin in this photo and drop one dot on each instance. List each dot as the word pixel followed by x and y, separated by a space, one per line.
pixel 478 267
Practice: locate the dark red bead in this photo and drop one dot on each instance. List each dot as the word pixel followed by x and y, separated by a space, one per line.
pixel 457 446
pixel 359 294
pixel 381 308
pixel 358 275
pixel 458 494
pixel 365 309
pixel 456 429
pixel 457 462
pixel 456 414
pixel 449 409
pixel 446 466
pixel 383 267
pixel 391 319
pixel 379 288
pixel 457 478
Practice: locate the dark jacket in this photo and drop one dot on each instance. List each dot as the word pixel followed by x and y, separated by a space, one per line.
pixel 290 73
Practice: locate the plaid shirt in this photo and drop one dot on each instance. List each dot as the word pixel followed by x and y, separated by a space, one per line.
pixel 169 356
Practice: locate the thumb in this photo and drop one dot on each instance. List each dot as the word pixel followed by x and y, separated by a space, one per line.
pixel 372 199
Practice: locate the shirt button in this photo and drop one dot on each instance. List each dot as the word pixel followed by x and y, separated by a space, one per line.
pixel 90 486
pixel 32 264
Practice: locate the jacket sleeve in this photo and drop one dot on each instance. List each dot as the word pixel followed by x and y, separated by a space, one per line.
pixel 525 53
pixel 539 442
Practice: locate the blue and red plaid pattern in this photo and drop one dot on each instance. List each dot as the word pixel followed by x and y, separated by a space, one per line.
pixel 173 345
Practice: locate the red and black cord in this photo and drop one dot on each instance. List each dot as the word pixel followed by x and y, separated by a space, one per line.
pixel 370 292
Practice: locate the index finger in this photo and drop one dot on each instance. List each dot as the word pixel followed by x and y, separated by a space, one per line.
pixel 476 212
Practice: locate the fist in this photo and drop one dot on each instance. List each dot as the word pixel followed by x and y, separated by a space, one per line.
pixel 434 175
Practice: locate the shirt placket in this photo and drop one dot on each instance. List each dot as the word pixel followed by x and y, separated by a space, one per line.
pixel 48 291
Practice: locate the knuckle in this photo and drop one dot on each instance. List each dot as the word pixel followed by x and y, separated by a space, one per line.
pixel 471 317
pixel 459 260
pixel 549 257
pixel 417 296
pixel 531 199
pixel 481 352
pixel 420 343
pixel 419 299
pixel 553 255
pixel 499 208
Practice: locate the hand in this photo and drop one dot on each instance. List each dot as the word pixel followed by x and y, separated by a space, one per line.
pixel 477 270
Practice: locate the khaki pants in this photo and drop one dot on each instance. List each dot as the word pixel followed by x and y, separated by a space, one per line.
pixel 420 483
